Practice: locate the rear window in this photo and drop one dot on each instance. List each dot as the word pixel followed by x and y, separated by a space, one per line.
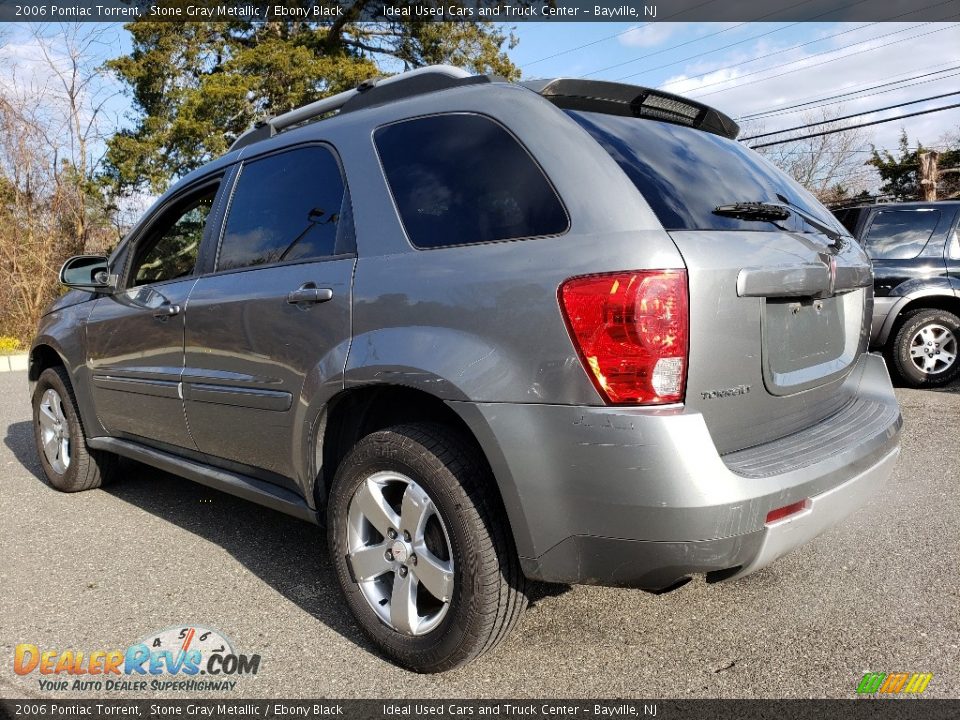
pixel 459 179
pixel 900 234
pixel 685 173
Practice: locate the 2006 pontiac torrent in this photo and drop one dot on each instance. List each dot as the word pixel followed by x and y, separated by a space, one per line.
pixel 484 332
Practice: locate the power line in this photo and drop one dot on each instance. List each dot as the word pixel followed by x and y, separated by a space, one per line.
pixel 688 42
pixel 754 37
pixel 809 42
pixel 861 97
pixel 692 57
pixel 800 151
pixel 729 45
pixel 855 127
pixel 586 45
pixel 810 101
pixel 848 117
pixel 825 62
pixel 714 34
pixel 800 60
pixel 611 37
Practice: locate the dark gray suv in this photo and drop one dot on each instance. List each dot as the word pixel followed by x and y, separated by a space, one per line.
pixel 915 248
pixel 485 332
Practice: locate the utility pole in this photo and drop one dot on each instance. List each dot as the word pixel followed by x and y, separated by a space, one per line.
pixel 928 176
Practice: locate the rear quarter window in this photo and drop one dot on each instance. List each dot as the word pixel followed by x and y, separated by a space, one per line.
pixel 461 179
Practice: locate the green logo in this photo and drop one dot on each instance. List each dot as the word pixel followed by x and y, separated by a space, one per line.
pixel 894 683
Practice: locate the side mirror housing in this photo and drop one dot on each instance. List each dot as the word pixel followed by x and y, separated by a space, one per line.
pixel 88 272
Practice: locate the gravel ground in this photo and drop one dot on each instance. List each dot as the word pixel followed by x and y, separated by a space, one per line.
pixel 103 569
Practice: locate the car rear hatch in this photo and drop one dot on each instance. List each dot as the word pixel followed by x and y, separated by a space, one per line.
pixel 780 296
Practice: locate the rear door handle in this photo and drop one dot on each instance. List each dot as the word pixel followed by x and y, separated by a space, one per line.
pixel 309 296
pixel 166 311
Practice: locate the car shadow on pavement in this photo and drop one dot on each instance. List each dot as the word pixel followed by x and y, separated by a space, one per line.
pixel 19 439
pixel 953 387
pixel 288 554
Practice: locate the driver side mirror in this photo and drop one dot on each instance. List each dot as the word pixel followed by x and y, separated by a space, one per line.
pixel 88 272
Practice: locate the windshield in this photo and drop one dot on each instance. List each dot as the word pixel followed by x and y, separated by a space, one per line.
pixel 685 173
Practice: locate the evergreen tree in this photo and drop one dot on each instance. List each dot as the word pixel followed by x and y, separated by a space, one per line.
pixel 197 86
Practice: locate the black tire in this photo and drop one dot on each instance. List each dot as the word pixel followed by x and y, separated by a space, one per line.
pixel 87 468
pixel 489 591
pixel 916 322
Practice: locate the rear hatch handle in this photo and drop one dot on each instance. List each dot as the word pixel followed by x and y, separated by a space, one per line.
pixel 819 279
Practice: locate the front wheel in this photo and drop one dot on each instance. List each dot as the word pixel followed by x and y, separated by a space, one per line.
pixel 422 552
pixel 70 466
pixel 925 348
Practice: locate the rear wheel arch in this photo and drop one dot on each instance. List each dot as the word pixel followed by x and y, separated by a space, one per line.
pixel 357 412
pixel 468 586
pixel 908 306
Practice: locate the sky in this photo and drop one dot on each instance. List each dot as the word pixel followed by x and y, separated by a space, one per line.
pixel 731 66
pixel 739 68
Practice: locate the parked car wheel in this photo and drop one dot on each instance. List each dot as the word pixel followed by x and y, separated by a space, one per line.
pixel 925 348
pixel 422 553
pixel 70 466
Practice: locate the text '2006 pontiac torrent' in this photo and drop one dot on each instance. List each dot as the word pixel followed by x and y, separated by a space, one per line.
pixel 484 332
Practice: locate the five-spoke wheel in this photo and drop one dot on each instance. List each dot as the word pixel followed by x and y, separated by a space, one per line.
pixel 419 540
pixel 54 431
pixel 66 460
pixel 399 552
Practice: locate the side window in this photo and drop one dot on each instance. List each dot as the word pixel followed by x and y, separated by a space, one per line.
pixel 459 179
pixel 170 248
pixel 285 207
pixel 900 234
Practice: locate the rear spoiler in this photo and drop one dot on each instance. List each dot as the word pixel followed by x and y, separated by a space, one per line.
pixel 633 101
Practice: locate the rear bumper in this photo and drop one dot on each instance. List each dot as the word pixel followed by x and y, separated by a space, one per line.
pixel 642 498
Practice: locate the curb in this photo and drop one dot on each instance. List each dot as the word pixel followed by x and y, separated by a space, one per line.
pixel 14 363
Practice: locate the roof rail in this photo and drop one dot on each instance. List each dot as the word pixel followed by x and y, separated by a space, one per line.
pixel 633 101
pixel 370 92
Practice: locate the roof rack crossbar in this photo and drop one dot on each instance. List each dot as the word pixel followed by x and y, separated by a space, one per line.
pixel 277 124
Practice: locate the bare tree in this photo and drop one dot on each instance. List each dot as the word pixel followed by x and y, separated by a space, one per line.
pixel 51 131
pixel 832 166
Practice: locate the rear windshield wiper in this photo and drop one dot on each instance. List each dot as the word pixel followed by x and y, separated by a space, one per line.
pixel 831 233
pixel 774 212
pixel 760 211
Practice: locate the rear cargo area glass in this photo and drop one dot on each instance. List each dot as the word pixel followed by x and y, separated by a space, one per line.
pixel 685 173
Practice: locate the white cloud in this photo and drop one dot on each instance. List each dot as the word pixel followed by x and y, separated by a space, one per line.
pixel 649 35
pixel 744 89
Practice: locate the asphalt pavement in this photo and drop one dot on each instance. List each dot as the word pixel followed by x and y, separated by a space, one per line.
pixel 102 569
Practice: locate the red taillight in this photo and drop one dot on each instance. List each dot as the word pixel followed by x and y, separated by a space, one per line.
pixel 787 511
pixel 631 330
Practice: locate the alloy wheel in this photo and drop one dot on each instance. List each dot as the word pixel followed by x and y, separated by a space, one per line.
pixel 54 431
pixel 933 349
pixel 400 553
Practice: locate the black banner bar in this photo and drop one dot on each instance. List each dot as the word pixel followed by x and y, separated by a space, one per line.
pixel 507 11
pixel 860 709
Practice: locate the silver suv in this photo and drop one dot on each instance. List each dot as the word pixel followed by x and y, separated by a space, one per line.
pixel 486 333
